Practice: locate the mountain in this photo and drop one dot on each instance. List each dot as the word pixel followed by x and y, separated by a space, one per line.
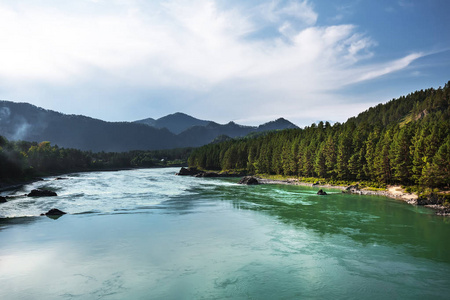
pixel 276 125
pixel 148 121
pixel 201 135
pixel 23 121
pixel 198 132
pixel 176 123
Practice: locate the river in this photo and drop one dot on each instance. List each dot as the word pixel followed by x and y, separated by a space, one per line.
pixel 147 234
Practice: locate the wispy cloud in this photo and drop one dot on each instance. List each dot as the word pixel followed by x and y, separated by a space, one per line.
pixel 383 69
pixel 196 46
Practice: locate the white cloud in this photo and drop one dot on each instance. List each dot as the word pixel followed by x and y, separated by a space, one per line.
pixel 383 69
pixel 276 11
pixel 190 45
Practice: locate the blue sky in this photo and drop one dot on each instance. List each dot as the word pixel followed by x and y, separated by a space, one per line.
pixel 246 61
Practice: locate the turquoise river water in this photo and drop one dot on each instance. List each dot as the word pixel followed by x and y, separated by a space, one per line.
pixel 147 234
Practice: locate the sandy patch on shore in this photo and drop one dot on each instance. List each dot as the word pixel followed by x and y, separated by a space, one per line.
pixel 397 191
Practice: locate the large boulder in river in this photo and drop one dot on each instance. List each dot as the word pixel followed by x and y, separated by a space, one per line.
pixel 321 192
pixel 249 180
pixel 188 172
pixel 54 212
pixel 41 193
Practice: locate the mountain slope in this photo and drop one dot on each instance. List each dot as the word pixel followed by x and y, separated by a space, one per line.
pixel 148 121
pixel 23 121
pixel 201 135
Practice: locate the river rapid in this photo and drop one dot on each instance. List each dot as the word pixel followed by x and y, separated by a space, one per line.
pixel 148 234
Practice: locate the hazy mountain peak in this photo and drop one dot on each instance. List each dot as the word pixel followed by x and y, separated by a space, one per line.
pixel 147 121
pixel 280 123
pixel 175 123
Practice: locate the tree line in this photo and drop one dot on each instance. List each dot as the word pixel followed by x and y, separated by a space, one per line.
pixel 405 141
pixel 21 160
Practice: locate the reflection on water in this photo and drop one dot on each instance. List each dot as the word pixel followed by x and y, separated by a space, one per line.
pixel 148 234
pixel 365 219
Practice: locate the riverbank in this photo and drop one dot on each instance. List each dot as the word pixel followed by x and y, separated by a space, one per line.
pixel 430 200
pixel 393 191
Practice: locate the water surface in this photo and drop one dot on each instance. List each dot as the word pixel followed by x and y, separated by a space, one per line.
pixel 147 234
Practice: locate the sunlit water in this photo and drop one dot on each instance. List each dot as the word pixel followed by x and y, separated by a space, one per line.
pixel 147 234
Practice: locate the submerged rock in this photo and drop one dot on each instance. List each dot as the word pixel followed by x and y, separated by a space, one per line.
pixel 321 192
pixel 249 180
pixel 2 199
pixel 41 193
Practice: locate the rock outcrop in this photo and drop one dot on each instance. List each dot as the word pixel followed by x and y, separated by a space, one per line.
pixel 321 192
pixel 352 188
pixel 188 172
pixel 41 193
pixel 430 199
pixel 249 180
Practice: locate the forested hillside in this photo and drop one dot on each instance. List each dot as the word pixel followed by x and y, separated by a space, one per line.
pixel 22 160
pixel 404 141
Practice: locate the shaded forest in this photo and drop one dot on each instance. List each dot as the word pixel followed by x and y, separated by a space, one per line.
pixel 22 160
pixel 404 141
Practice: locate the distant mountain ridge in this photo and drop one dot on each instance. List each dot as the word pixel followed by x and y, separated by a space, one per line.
pixel 23 121
pixel 175 123
pixel 195 132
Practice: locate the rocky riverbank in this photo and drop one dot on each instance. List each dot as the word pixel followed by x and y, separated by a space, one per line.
pixel 432 201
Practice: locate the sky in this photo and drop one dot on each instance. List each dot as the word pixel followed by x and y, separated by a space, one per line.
pixel 223 60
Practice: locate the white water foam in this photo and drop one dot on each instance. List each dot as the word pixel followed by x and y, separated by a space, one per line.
pixel 102 192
